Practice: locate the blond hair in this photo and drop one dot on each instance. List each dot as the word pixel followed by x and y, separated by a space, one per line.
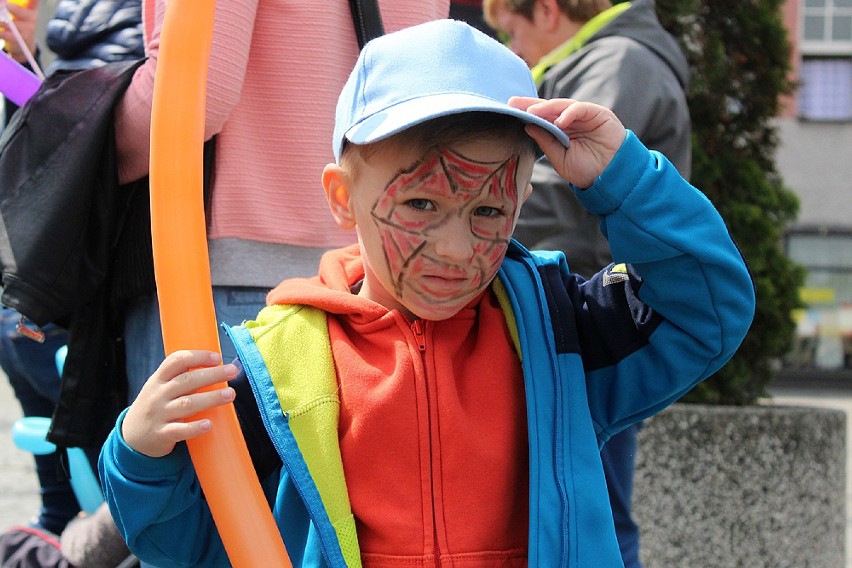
pixel 448 131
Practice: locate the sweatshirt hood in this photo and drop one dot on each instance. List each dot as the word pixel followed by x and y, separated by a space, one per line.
pixel 640 24
pixel 333 289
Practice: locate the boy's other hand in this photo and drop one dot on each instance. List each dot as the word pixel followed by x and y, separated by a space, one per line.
pixel 595 132
pixel 161 415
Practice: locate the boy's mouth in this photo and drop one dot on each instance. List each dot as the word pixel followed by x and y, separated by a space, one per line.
pixel 443 286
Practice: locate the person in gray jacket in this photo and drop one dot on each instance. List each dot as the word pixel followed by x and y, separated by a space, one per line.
pixel 618 56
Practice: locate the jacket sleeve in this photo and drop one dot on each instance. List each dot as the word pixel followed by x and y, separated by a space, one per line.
pixel 158 506
pixel 229 54
pixel 681 307
pixel 87 33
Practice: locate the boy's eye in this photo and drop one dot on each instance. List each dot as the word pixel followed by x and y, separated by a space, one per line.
pixel 421 204
pixel 486 211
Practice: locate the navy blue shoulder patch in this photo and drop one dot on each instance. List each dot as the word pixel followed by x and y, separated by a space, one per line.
pixel 561 309
pixel 602 319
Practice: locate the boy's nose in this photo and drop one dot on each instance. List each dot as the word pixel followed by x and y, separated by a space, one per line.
pixel 455 241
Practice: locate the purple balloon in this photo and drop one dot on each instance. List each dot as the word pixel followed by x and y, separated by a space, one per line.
pixel 17 83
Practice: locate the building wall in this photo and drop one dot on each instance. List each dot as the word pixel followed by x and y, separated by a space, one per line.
pixel 814 158
pixel 815 162
pixel 790 15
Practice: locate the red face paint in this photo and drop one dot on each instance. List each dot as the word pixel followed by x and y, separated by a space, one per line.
pixel 424 205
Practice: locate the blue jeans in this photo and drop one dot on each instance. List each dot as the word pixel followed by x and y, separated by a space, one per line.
pixel 31 369
pixel 144 336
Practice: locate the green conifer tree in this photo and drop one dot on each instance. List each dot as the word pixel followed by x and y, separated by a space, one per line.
pixel 738 53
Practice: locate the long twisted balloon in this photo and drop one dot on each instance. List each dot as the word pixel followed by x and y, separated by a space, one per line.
pixel 240 510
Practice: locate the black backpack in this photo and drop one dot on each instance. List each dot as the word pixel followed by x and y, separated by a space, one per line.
pixel 75 246
pixel 60 207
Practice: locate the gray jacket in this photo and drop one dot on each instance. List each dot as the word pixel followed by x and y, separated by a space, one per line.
pixel 636 68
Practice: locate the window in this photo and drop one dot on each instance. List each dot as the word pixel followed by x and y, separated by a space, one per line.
pixel 825 91
pixel 827 24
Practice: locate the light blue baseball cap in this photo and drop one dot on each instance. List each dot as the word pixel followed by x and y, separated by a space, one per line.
pixel 426 71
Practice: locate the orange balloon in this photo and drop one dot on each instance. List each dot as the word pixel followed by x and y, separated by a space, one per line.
pixel 221 459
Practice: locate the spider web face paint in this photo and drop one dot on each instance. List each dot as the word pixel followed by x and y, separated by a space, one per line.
pixel 459 186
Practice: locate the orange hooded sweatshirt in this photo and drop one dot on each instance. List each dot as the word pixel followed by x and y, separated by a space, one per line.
pixel 432 425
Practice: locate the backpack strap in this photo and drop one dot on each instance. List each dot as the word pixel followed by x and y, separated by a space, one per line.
pixel 367 19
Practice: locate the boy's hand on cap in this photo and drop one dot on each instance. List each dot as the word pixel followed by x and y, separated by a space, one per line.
pixel 595 132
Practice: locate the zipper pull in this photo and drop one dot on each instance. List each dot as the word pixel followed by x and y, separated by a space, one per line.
pixel 34 334
pixel 417 328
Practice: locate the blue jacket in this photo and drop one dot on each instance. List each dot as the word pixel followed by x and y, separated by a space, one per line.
pixel 597 356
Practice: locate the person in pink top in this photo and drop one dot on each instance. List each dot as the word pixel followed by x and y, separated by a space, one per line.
pixel 269 62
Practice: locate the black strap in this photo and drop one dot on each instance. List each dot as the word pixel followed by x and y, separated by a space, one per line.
pixel 367 19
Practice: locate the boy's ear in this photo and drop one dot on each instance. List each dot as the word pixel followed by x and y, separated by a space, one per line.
pixel 549 10
pixel 527 192
pixel 335 181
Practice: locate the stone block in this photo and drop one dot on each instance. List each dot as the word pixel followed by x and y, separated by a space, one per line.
pixel 722 486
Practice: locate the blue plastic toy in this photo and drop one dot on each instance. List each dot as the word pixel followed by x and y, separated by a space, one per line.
pixel 30 434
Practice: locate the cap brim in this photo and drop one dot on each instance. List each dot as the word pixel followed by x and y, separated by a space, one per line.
pixel 406 114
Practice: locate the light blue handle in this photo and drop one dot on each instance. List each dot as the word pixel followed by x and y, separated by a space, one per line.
pixel 30 434
pixel 83 481
pixel 61 353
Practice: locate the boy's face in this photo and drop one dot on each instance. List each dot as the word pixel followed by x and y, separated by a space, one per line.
pixel 434 227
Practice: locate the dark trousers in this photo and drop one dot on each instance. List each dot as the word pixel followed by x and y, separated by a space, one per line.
pixel 31 369
pixel 619 457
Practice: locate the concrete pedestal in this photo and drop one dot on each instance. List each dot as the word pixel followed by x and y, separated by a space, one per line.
pixel 719 486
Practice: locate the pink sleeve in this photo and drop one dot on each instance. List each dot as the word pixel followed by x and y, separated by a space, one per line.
pixel 229 54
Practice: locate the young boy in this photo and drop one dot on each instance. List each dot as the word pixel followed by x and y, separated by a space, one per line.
pixel 437 395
